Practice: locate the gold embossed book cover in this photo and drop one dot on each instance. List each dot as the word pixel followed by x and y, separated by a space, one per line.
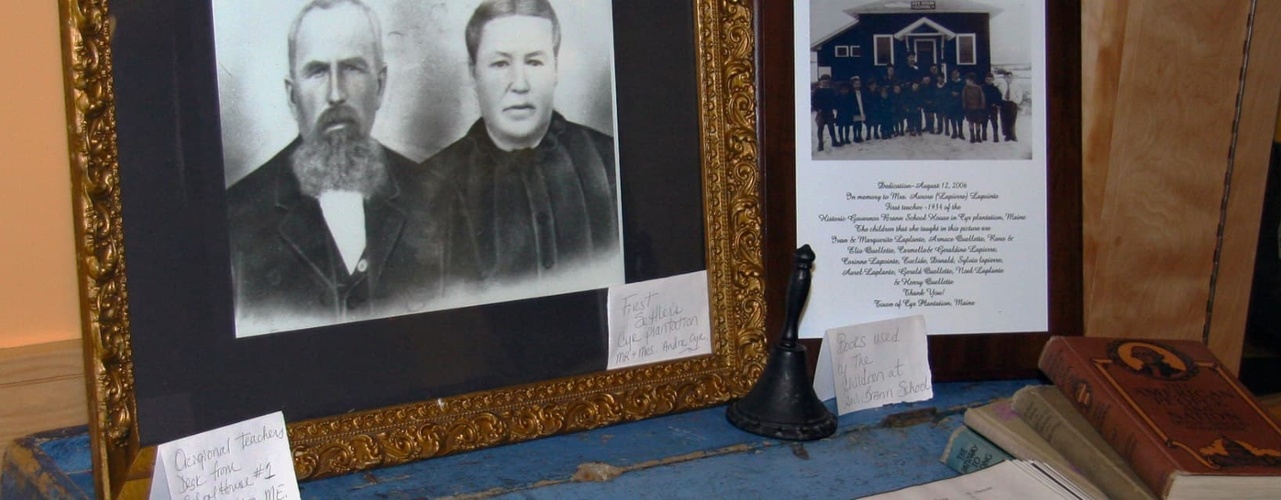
pixel 1171 409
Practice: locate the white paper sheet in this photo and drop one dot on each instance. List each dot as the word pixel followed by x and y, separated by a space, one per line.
pixel 874 364
pixel 926 224
pixel 249 459
pixel 1009 480
pixel 659 320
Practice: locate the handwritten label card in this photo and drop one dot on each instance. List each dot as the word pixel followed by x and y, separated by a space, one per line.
pixel 245 460
pixel 659 320
pixel 874 364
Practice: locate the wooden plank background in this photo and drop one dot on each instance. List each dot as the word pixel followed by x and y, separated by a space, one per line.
pixel 1161 82
pixel 42 387
pixel 1230 299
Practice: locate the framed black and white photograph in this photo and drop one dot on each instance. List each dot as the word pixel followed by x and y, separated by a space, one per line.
pixel 319 208
pixel 459 92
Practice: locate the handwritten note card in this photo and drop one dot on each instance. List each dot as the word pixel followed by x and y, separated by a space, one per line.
pixel 874 364
pixel 245 460
pixel 659 320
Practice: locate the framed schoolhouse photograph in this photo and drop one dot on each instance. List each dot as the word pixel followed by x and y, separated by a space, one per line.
pixel 401 222
pixel 962 204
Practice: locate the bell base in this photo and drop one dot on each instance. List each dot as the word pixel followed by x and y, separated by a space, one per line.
pixel 810 430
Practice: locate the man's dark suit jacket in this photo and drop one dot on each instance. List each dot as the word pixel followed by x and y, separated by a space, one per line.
pixel 536 210
pixel 288 273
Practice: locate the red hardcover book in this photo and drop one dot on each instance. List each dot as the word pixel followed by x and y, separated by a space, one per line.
pixel 1184 424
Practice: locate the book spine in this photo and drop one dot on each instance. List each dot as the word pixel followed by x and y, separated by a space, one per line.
pixel 1107 412
pixel 967 452
pixel 1051 414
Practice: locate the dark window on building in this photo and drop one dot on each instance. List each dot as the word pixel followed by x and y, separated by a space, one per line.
pixel 848 51
pixel 965 49
pixel 884 50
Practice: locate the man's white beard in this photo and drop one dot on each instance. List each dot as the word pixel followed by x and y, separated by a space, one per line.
pixel 340 161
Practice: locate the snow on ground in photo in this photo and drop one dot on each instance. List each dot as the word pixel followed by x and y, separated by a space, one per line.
pixel 941 147
pixel 928 146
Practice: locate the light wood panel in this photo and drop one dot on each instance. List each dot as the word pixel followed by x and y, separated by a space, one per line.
pixel 1102 41
pixel 1230 298
pixel 1161 81
pixel 42 387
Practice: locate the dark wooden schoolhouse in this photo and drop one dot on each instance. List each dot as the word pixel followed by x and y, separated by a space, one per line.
pixel 954 34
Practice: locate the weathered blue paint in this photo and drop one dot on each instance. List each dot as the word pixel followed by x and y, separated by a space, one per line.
pixel 690 455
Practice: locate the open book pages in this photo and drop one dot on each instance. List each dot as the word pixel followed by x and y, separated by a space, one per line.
pixel 1000 424
pixel 1013 479
pixel 1051 414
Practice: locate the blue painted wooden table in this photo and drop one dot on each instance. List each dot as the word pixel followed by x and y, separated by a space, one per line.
pixel 690 455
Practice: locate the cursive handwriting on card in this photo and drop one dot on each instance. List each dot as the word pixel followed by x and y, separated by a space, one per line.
pixel 875 364
pixel 246 460
pixel 659 320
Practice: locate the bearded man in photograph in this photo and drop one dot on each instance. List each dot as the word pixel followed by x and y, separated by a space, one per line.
pixel 337 227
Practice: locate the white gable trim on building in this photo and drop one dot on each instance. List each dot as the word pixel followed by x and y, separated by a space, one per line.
pixel 924 21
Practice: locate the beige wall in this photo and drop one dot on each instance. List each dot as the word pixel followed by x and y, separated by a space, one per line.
pixel 42 381
pixel 38 300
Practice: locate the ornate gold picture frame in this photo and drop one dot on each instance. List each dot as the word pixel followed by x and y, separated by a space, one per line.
pixel 141 142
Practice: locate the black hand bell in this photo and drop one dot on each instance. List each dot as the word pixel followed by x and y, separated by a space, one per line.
pixel 782 404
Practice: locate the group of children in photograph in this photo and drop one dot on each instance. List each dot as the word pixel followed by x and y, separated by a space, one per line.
pixel 900 104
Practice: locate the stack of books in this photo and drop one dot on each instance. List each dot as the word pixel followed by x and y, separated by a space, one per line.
pixel 1131 418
